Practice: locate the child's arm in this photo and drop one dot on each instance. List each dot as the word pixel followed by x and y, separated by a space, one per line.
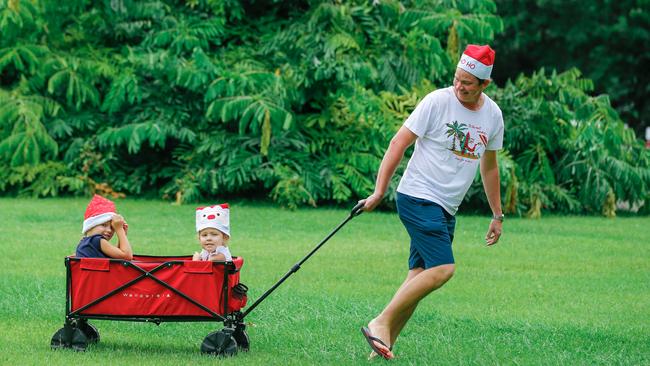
pixel 221 254
pixel 123 249
pixel 214 257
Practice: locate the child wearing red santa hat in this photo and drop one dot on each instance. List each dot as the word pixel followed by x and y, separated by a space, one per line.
pixel 213 227
pixel 100 223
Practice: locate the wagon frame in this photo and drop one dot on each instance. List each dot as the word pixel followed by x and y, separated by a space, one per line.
pixel 77 333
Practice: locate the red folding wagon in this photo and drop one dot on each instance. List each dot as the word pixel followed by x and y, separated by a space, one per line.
pixel 153 289
pixel 162 289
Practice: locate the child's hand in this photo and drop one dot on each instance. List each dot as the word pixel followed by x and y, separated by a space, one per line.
pixel 118 222
pixel 196 256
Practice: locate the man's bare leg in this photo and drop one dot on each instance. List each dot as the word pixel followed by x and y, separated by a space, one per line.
pixel 418 284
pixel 404 317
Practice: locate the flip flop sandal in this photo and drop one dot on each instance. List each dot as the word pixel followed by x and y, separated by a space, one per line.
pixel 371 341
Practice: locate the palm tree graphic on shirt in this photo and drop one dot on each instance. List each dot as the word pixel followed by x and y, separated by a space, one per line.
pixel 456 130
pixel 466 146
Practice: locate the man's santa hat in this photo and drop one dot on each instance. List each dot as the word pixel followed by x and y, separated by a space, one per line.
pixel 99 211
pixel 217 217
pixel 477 60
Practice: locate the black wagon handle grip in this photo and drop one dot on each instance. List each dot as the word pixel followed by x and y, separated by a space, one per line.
pixel 358 209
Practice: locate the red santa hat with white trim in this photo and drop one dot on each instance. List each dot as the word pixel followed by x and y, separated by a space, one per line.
pixel 217 217
pixel 99 211
pixel 477 60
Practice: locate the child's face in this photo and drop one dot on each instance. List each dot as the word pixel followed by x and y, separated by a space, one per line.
pixel 105 230
pixel 211 238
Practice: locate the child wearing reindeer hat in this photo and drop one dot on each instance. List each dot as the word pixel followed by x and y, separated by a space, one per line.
pixel 101 222
pixel 213 228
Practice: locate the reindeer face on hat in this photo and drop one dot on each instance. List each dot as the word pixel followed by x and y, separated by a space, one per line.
pixel 217 216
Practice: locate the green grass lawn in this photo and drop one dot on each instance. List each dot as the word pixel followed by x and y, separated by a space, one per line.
pixel 555 291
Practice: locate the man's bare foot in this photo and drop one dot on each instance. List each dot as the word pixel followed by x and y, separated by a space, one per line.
pixel 376 335
pixel 380 331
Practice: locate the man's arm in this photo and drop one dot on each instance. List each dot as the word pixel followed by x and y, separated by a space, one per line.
pixel 492 187
pixel 393 156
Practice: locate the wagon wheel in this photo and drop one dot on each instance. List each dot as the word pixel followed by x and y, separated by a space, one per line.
pixel 241 337
pixel 91 332
pixel 71 337
pixel 219 343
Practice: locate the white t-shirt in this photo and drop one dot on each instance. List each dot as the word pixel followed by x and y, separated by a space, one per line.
pixel 205 255
pixel 451 140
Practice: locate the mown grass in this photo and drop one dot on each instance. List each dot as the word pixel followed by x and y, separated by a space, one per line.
pixel 556 291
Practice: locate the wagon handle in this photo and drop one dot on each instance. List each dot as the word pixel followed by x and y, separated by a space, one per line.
pixel 356 211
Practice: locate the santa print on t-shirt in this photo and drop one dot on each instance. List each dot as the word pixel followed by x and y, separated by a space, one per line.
pixel 467 140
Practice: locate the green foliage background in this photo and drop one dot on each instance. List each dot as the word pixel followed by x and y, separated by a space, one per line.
pixel 609 41
pixel 189 100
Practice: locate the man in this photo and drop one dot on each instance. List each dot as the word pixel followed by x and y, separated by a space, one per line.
pixel 453 130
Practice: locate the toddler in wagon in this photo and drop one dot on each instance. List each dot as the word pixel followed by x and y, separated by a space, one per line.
pixel 213 228
pixel 100 223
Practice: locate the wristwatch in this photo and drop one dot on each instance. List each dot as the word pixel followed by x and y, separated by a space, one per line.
pixel 499 217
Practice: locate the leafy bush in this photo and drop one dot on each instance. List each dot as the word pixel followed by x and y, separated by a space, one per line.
pixel 217 98
pixel 573 152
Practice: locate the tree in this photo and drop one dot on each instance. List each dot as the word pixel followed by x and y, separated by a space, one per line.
pixel 295 101
pixel 607 40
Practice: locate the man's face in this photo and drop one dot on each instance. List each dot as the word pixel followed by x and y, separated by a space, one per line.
pixel 467 87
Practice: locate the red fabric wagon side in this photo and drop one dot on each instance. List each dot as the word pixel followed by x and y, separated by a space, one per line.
pixel 153 287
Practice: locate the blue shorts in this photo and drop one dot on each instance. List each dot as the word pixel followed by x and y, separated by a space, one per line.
pixel 431 229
